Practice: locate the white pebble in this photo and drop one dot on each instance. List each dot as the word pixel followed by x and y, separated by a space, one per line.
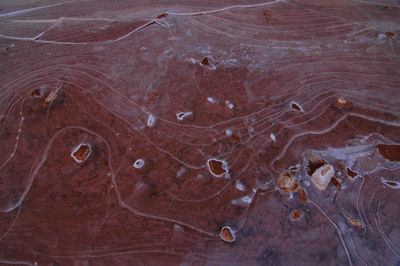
pixel 322 176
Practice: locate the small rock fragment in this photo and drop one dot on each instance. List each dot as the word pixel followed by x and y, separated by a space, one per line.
pixel 303 195
pixel 287 182
pixel 81 153
pixel 217 168
pixel 341 103
pixel 336 182
pixel 226 234
pixel 355 222
pixel 50 98
pixel 296 214
pixel 351 174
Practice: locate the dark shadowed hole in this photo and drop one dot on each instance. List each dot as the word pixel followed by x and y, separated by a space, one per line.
pixel 205 61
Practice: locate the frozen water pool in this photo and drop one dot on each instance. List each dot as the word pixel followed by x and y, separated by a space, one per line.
pixel 138 133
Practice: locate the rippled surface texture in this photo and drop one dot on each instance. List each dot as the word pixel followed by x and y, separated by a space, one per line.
pixel 137 133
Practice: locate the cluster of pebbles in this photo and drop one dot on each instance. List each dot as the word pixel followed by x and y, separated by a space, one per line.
pixel 321 172
pixel 320 177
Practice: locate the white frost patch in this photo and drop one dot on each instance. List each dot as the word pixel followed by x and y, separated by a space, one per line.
pixel 180 172
pixel 229 104
pixel 182 115
pixel 239 185
pixel 150 121
pixel 177 227
pixel 211 100
pixel 382 36
pixel 199 176
pixel 351 154
pixel 272 137
pixel 138 163
pixel 229 132
pixel 245 201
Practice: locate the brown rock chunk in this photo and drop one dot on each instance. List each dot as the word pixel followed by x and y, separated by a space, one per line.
pixel 303 195
pixel 287 182
pixel 226 234
pixel 355 222
pixel 351 174
pixel 216 167
pixel 390 152
pixel 81 153
pixel 296 214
